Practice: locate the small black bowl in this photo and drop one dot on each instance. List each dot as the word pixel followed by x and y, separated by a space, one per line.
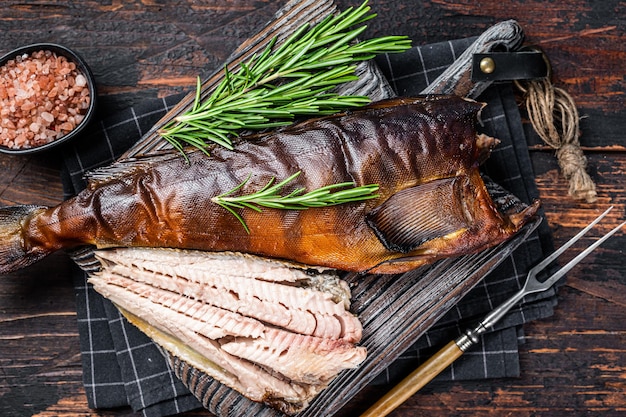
pixel 82 67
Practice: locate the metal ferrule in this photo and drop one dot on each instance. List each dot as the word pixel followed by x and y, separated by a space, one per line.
pixel 465 341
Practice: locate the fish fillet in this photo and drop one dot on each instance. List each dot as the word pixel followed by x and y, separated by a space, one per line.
pixel 206 315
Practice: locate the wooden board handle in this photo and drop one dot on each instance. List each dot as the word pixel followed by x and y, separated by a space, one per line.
pixel 415 381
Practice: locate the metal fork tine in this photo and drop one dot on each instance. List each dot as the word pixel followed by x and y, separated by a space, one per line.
pixel 455 348
pixel 543 264
pixel 565 269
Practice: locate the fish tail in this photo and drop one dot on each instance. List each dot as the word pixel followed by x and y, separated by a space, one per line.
pixel 15 253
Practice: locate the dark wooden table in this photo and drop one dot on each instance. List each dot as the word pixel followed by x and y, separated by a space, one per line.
pixel 573 363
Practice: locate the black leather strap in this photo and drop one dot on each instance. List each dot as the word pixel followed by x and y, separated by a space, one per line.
pixel 508 66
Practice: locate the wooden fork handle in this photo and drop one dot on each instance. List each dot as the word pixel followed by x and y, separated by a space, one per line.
pixel 415 381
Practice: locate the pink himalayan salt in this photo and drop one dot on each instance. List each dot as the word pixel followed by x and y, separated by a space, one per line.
pixel 43 97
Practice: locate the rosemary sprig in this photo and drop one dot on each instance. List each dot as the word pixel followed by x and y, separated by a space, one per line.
pixel 269 197
pixel 285 81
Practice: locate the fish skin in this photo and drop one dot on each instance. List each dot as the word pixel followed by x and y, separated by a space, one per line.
pixel 400 144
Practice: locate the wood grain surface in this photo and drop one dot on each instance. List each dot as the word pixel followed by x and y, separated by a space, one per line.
pixel 572 364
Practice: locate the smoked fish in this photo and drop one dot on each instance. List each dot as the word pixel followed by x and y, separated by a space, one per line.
pixel 275 333
pixel 423 152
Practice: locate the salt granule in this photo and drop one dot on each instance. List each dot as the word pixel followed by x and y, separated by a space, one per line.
pixel 43 97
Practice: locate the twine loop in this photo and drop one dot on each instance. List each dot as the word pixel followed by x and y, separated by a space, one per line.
pixel 554 116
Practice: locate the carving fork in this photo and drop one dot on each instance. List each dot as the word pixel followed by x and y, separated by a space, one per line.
pixel 454 349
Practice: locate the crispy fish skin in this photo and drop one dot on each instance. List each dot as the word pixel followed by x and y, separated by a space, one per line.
pixel 423 152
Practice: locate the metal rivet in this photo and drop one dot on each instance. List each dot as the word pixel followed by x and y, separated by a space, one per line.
pixel 487 65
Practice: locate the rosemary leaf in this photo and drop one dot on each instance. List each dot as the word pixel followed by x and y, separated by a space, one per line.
pixel 269 197
pixel 268 125
pixel 294 78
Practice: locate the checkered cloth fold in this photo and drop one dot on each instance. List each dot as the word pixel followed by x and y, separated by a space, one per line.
pixel 123 367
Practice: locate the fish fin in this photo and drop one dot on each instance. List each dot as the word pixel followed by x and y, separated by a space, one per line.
pixel 419 214
pixel 85 258
pixel 123 169
pixel 485 144
pixel 14 253
pixel 107 173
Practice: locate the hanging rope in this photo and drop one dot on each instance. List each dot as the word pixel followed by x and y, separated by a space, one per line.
pixel 554 117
